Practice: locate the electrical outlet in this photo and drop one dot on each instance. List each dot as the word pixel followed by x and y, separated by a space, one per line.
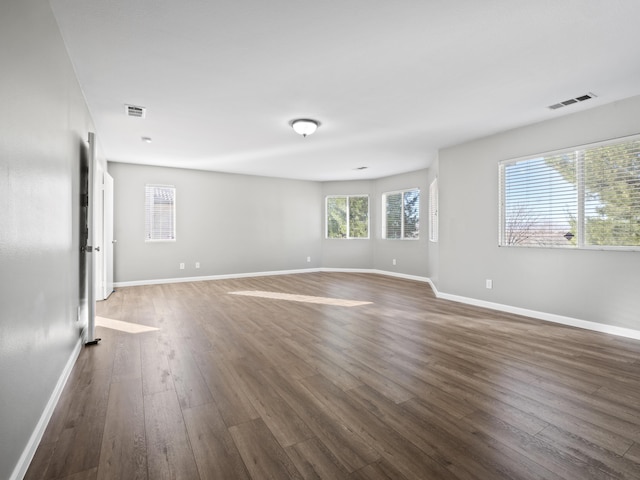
pixel 308 259
pixel 489 283
pixel 197 264
pixel 181 265
pixel 393 262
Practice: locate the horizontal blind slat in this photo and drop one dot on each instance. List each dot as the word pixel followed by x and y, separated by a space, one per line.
pixel 540 196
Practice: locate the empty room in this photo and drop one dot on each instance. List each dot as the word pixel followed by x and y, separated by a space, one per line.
pixel 319 240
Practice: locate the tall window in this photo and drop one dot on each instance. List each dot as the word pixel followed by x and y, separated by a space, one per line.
pixel 433 211
pixel 160 213
pixel 347 216
pixel 585 197
pixel 402 214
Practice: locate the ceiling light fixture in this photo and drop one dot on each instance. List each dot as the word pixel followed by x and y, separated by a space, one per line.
pixel 146 139
pixel 304 126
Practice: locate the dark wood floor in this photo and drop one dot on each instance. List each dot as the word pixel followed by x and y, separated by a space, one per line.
pixel 406 387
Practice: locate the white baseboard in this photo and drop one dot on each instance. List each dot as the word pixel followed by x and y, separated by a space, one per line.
pixel 32 445
pixel 549 317
pixel 406 276
pixel 344 270
pixel 377 272
pixel 203 278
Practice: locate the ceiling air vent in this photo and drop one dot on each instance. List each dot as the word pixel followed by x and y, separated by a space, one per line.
pixel 135 111
pixel 571 101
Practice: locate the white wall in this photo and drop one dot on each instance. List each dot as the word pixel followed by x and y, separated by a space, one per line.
pixel 231 224
pixel 597 286
pixel 43 130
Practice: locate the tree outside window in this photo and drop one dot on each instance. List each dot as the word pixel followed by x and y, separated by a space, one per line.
pixel 347 216
pixel 588 197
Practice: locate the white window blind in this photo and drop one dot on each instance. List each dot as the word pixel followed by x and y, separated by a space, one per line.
pixel 433 211
pixel 347 216
pixel 586 197
pixel 401 214
pixel 393 209
pixel 160 212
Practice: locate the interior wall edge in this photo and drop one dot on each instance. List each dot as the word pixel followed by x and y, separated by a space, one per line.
pixel 29 451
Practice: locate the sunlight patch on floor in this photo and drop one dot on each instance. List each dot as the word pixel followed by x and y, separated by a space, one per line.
pixel 126 327
pixel 301 298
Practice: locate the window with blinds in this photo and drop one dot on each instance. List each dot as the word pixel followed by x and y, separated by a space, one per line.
pixel 585 197
pixel 401 218
pixel 433 211
pixel 347 216
pixel 160 213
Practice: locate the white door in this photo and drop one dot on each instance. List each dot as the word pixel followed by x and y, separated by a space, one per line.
pixel 108 235
pixel 88 185
pixel 98 230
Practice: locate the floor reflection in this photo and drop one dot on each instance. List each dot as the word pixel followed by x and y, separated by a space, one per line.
pixel 126 327
pixel 301 298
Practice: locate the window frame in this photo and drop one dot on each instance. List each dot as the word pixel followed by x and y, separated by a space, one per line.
pixel 348 236
pixel 580 196
pixel 148 229
pixel 402 213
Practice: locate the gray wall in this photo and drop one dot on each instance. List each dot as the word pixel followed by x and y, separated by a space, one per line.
pixel 411 255
pixel 599 286
pixel 234 224
pixel 43 125
pixel 229 223
pixel 349 253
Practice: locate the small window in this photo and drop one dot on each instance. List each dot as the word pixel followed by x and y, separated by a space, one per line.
pixel 433 211
pixel 160 213
pixel 402 214
pixel 583 197
pixel 347 216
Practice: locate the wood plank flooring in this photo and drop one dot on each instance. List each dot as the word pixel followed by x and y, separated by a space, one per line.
pixel 405 387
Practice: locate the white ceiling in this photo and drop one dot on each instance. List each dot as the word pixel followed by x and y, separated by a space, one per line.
pixel 391 81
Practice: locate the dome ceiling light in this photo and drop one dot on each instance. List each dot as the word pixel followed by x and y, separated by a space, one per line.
pixel 304 126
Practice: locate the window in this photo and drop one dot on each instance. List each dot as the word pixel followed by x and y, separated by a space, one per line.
pixel 160 213
pixel 585 197
pixel 347 216
pixel 433 211
pixel 402 214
